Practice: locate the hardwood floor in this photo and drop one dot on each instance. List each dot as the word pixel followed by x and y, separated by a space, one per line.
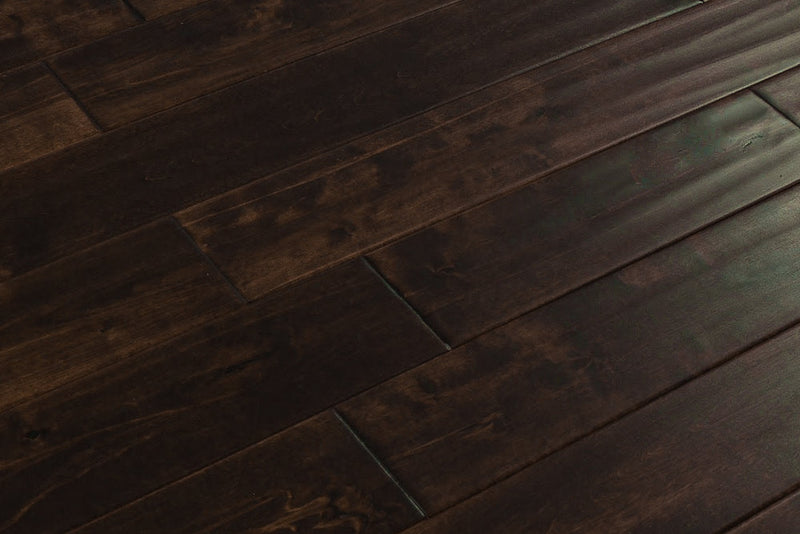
pixel 420 266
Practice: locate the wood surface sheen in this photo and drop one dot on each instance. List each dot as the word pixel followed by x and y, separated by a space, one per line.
pixel 784 93
pixel 521 391
pixel 151 419
pixel 176 158
pixel 532 245
pixel 559 113
pixel 692 462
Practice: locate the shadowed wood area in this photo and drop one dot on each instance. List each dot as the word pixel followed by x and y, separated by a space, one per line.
pixel 202 396
pixel 424 266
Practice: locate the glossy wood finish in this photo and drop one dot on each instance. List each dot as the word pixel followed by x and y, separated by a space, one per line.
pixel 192 53
pixel 784 93
pixel 95 308
pixel 533 245
pixel 177 158
pixel 511 396
pixel 37 116
pixel 203 396
pixel 678 465
pixel 311 478
pixel 781 517
pixel 549 122
pixel 31 30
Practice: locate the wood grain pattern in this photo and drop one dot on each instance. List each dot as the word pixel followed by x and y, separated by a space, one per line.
pixel 584 221
pixel 37 116
pixel 91 310
pixel 313 477
pixel 180 157
pixel 31 30
pixel 784 93
pixel 781 517
pixel 192 53
pixel 152 9
pixel 479 413
pixel 202 396
pixel 264 240
pixel 692 462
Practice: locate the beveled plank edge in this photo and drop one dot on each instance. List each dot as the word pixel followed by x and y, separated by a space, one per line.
pixel 71 94
pixel 644 404
pixel 345 426
pixel 756 514
pixel 763 95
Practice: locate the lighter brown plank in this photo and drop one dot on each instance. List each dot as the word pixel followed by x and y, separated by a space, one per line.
pixel 90 310
pixel 457 424
pixel 692 462
pixel 37 116
pixel 489 265
pixel 561 112
pixel 313 477
pixel 207 394
pixel 30 30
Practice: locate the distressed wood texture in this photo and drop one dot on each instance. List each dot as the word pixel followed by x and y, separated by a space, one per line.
pixel 455 425
pixel 95 308
pixel 784 93
pixel 37 116
pixel 192 53
pixel 582 222
pixel 560 112
pixel 31 30
pixel 780 518
pixel 202 396
pixel 313 477
pixel 692 462
pixel 179 157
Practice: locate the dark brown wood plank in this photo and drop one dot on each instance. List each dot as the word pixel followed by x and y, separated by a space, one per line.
pixel 489 265
pixel 561 112
pixel 31 30
pixel 692 462
pixel 90 310
pixel 182 156
pixel 784 93
pixel 780 518
pixel 201 397
pixel 164 63
pixel 313 477
pixel 37 116
pixel 481 412
pixel 151 9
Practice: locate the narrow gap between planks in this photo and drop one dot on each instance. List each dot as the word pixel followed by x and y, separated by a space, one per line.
pixel 73 96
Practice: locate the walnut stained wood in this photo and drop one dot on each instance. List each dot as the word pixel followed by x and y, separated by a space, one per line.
pixel 340 266
pixel 203 396
pixel 36 117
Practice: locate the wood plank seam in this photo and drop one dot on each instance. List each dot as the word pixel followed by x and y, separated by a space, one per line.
pixel 782 496
pixel 211 264
pixel 379 463
pixel 136 12
pixel 74 97
pixel 630 411
pixel 774 105
pixel 394 291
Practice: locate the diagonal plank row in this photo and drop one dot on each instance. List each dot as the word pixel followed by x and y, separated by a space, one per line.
pixel 414 65
pixel 311 478
pixel 184 155
pixel 453 426
pixel 783 516
pixel 694 461
pixel 147 419
pixel 30 30
pixel 547 119
pixel 37 117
